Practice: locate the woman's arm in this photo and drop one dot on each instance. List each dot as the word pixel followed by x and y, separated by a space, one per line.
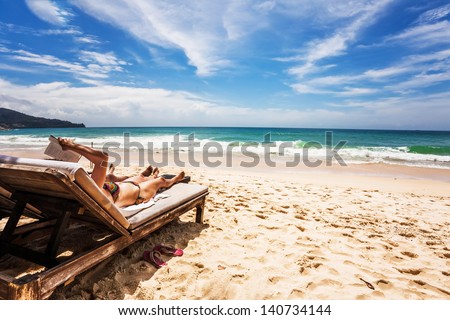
pixel 97 157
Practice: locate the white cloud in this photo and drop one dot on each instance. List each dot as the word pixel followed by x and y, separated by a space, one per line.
pixel 3 49
pixel 333 80
pixel 323 11
pixel 421 81
pixel 438 55
pixel 208 31
pixel 93 65
pixel 428 112
pixel 347 92
pixel 15 28
pixel 124 106
pixel 242 18
pixel 78 36
pixel 106 105
pixel 412 72
pixel 87 40
pixel 337 44
pixel 58 32
pixel 195 27
pixel 101 58
pixel 324 48
pixel 424 35
pixel 307 89
pixel 4 66
pixel 212 33
pixel 47 60
pixel 48 11
pixel 378 74
pixel 434 14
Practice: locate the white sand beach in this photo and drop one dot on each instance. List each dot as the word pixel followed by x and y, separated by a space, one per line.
pixel 361 233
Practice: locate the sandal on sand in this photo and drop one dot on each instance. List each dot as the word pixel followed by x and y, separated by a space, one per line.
pixel 154 257
pixel 167 250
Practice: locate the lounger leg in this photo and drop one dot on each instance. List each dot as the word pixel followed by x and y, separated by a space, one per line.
pixel 11 225
pixel 57 234
pixel 200 210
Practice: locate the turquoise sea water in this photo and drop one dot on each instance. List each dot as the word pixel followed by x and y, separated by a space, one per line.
pixel 416 148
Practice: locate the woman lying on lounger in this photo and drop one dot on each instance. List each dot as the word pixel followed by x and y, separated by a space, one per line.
pixel 134 190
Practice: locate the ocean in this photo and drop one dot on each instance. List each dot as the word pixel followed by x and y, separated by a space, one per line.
pixel 412 148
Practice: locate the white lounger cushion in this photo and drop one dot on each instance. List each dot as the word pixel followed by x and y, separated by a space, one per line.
pixel 69 168
pixel 178 194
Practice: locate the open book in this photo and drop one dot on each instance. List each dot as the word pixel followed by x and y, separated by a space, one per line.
pixel 55 151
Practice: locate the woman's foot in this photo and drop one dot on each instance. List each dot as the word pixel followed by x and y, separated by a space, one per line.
pixel 66 143
pixel 147 172
pixel 179 177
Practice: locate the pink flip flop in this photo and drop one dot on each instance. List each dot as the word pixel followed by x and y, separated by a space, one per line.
pixel 154 257
pixel 168 250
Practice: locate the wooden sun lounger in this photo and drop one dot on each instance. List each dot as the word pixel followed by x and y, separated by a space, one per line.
pixel 60 195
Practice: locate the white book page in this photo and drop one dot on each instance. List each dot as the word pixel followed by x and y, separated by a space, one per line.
pixel 55 151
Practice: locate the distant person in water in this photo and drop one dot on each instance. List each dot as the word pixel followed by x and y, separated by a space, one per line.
pixel 123 191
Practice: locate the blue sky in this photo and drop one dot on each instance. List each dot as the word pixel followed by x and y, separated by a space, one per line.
pixel 382 64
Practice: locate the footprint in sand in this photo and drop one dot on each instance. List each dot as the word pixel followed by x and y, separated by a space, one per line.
pixel 409 254
pixel 296 294
pixel 325 282
pixel 433 243
pixel 275 279
pixel 347 235
pixel 239 278
pixel 420 282
pixel 384 284
pixel 242 204
pixel 278 210
pixel 423 283
pixel 268 227
pixel 414 272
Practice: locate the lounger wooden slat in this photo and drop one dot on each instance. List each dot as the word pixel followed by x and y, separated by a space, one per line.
pixel 70 197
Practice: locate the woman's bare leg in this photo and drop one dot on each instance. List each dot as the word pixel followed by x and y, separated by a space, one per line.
pixel 150 188
pixel 98 158
pixel 111 177
pixel 146 175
